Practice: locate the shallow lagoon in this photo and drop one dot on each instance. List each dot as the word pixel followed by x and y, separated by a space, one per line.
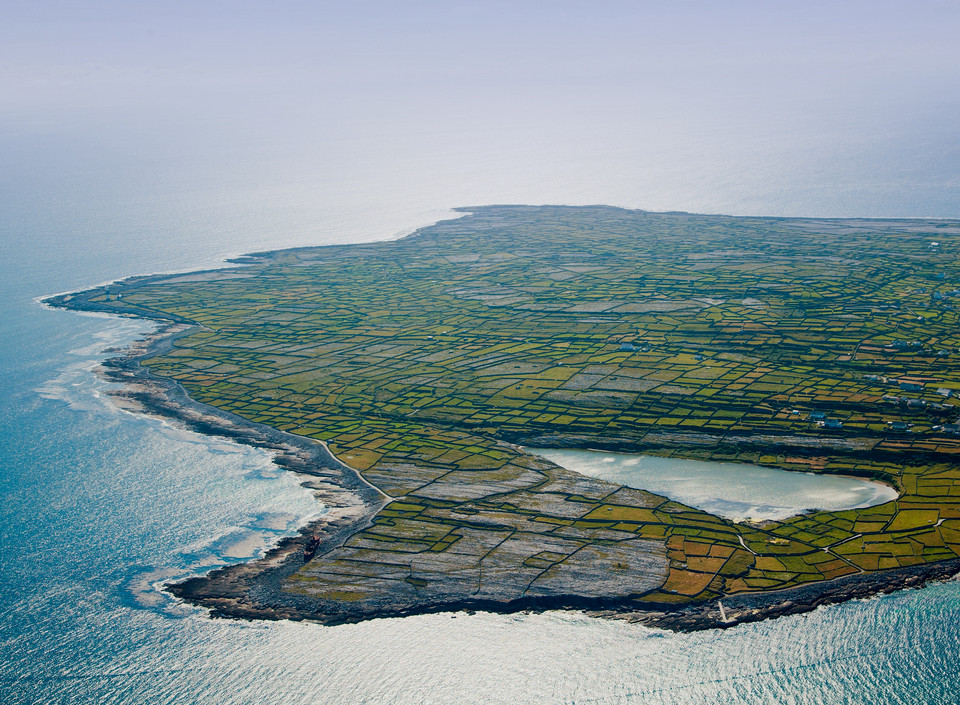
pixel 736 491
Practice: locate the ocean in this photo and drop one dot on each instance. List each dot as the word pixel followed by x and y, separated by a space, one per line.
pixel 100 507
pixel 117 162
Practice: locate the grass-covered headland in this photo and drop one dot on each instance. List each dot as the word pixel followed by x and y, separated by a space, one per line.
pixel 817 345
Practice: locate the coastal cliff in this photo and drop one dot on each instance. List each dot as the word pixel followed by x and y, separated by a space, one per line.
pixel 399 378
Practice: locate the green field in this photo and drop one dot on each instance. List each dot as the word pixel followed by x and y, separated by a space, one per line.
pixel 814 345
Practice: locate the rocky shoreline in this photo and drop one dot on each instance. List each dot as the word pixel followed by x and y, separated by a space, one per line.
pixel 254 590
pixel 747 607
pixel 350 501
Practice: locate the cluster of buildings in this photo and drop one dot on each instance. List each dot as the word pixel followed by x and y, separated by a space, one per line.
pixel 916 345
pixel 822 420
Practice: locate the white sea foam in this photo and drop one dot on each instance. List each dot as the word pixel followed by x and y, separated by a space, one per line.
pixel 122 159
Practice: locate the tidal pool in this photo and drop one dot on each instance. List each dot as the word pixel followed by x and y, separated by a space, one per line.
pixel 733 490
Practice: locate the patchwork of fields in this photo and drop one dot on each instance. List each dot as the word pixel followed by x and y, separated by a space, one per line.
pixel 817 345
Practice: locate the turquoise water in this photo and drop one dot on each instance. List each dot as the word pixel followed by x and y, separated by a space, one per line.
pixel 140 139
pixel 99 507
pixel 736 491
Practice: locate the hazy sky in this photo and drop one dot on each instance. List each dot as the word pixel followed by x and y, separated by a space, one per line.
pixel 816 108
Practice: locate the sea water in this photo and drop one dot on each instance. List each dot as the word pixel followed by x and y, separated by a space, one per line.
pixel 113 168
pixel 100 507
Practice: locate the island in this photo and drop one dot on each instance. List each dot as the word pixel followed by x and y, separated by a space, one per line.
pixel 403 379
